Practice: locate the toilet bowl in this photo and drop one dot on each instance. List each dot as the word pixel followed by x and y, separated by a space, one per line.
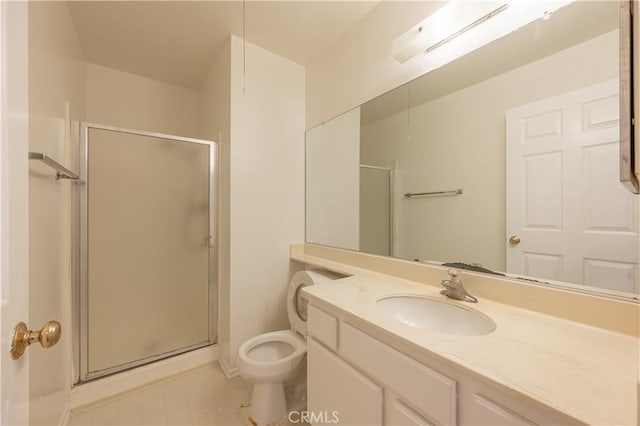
pixel 270 359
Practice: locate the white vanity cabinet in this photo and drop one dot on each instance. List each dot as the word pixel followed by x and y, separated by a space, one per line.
pixel 430 393
pixel 340 393
pixel 356 379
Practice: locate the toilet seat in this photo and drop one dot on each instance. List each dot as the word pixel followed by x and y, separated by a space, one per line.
pixel 260 370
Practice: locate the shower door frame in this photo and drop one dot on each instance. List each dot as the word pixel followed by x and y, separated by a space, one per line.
pixel 80 285
pixel 392 203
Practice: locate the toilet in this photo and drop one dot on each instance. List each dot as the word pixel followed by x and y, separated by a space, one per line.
pixel 270 359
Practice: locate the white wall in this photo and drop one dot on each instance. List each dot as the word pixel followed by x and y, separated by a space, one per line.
pixel 359 66
pixel 215 124
pixel 333 176
pixel 131 101
pixel 56 95
pixel 260 135
pixel 267 188
pixel 441 154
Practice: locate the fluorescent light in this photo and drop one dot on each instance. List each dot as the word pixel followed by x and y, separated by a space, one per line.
pixel 467 28
pixel 446 23
pixel 471 24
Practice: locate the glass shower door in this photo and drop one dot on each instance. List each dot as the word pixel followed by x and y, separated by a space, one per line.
pixel 146 288
pixel 376 210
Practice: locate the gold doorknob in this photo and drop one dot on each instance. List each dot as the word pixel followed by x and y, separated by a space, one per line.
pixel 514 240
pixel 48 336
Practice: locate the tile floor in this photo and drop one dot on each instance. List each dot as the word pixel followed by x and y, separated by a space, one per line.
pixel 200 397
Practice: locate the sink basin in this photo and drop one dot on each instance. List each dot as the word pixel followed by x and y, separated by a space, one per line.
pixel 435 316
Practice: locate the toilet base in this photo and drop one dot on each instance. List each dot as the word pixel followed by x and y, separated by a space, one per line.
pixel 268 403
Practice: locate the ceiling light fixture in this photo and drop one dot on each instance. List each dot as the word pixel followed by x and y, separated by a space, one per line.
pixel 489 20
pixel 467 28
pixel 450 21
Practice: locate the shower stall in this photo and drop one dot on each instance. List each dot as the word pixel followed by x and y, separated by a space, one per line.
pixel 146 255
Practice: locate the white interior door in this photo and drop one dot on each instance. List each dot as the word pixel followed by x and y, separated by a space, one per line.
pixel 575 221
pixel 14 375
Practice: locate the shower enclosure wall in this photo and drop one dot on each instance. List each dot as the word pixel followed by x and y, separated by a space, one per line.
pixel 147 248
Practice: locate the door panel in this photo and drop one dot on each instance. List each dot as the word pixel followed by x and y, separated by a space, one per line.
pixel 14 211
pixel 616 273
pixel 543 191
pixel 607 207
pixel 543 265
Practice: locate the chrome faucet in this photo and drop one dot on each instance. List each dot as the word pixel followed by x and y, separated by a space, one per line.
pixel 454 289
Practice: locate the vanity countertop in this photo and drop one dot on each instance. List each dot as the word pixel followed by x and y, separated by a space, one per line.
pixel 584 372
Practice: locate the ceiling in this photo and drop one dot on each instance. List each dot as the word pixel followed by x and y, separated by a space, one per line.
pixel 176 41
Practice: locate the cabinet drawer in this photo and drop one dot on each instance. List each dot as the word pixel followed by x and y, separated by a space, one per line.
pixel 323 327
pixel 484 411
pixel 338 393
pixel 430 392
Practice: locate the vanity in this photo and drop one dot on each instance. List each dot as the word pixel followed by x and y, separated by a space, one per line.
pixel 508 160
pixel 367 367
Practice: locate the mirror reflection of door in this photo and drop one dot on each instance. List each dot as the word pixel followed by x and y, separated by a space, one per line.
pixel 575 222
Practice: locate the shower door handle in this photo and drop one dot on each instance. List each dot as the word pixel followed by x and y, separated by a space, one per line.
pixel 208 241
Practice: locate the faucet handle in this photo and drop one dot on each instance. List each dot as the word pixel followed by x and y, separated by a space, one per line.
pixel 453 288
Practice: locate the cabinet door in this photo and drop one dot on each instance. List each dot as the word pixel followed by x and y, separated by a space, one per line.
pixel 430 392
pixel 397 413
pixel 337 393
pixel 480 404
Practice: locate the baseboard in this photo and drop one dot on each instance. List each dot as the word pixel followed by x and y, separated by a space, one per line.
pixel 108 387
pixel 229 373
pixel 64 418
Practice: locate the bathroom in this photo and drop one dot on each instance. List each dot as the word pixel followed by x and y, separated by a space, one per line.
pixel 267 104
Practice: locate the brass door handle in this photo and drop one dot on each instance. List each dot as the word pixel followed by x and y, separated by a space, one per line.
pixel 48 336
pixel 514 240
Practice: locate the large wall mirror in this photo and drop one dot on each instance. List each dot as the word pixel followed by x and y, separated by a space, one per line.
pixel 504 160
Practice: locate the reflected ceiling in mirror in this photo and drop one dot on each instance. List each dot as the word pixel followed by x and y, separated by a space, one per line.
pixel 508 155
